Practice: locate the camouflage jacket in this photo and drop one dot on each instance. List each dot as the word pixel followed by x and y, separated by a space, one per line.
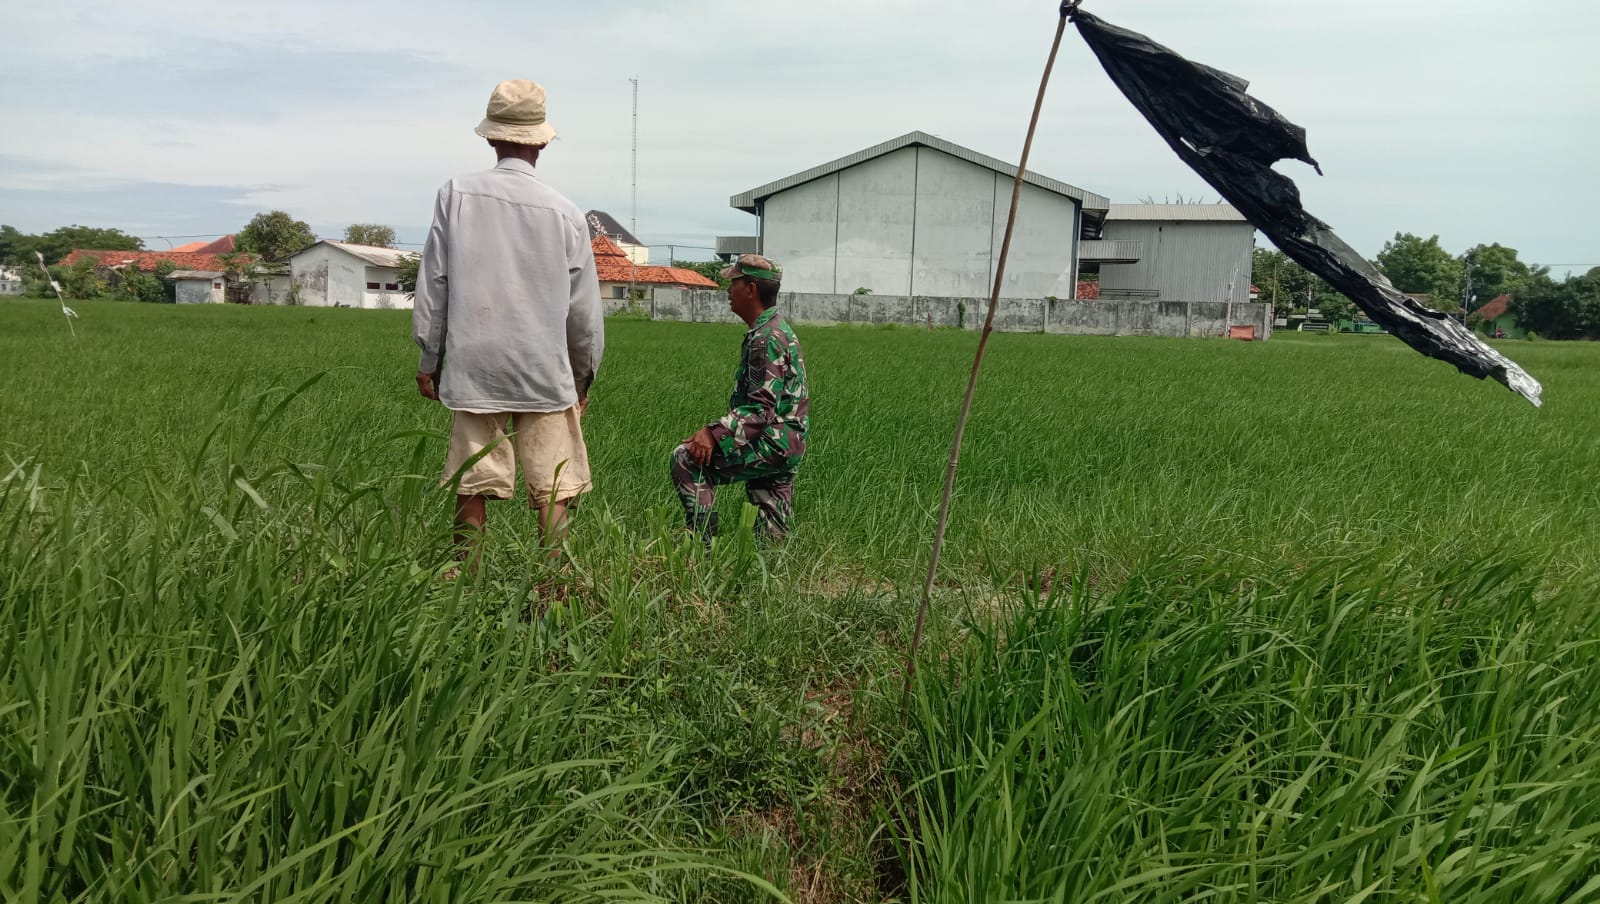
pixel 769 410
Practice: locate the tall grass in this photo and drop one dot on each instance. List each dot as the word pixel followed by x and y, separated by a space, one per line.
pixel 1347 733
pixel 1294 621
pixel 232 678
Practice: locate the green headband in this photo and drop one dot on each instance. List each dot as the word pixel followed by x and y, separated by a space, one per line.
pixel 758 273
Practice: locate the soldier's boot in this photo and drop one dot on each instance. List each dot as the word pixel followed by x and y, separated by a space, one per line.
pixel 705 525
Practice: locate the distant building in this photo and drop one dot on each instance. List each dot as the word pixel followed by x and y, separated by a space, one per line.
pixel 147 261
pixel 1498 321
pixel 1173 252
pixel 602 223
pixel 919 215
pixel 346 275
pixel 617 272
pixel 222 245
pixel 198 286
pixel 10 282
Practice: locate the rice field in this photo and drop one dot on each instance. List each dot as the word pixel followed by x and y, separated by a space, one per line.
pixel 1305 620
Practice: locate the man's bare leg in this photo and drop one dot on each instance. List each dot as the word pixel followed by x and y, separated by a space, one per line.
pixel 553 523
pixel 470 518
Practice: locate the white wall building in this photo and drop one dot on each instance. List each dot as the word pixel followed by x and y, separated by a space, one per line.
pixel 919 215
pixel 198 286
pixel 10 282
pixel 343 275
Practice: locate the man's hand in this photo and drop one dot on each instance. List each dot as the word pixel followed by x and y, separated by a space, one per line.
pixel 583 407
pixel 428 384
pixel 701 445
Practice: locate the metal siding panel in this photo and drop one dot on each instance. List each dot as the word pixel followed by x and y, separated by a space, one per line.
pixel 876 206
pixel 1040 260
pixel 955 210
pixel 1110 250
pixel 1192 261
pixel 1138 276
pixel 799 228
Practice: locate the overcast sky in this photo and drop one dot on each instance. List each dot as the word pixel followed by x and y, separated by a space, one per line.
pixel 1474 120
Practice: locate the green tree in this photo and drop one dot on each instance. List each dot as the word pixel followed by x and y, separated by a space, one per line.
pixel 369 234
pixel 1289 287
pixel 1560 310
pixel 17 248
pixel 274 236
pixel 136 285
pixel 1495 270
pixel 238 271
pixel 80 280
pixel 1422 266
pixel 1279 281
pixel 711 270
pixel 169 291
pixel 407 276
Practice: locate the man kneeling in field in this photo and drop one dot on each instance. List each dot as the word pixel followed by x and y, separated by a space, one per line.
pixel 762 438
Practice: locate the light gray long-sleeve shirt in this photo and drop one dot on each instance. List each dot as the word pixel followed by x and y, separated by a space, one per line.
pixel 507 295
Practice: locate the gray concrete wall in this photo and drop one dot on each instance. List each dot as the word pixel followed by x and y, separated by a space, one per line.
pixel 271 290
pixel 196 291
pixel 1013 315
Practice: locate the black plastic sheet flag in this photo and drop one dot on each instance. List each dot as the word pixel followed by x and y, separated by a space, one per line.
pixel 1231 139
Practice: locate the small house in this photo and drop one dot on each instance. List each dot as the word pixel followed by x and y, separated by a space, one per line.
pixel 346 275
pixel 602 223
pixel 198 286
pixel 1498 321
pixel 10 282
pixel 617 272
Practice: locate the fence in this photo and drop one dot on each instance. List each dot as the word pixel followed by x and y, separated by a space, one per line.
pixel 1014 315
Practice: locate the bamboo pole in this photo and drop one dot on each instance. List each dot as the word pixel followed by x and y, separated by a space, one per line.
pixel 977 360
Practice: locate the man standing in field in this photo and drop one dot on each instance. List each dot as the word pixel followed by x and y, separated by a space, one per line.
pixel 508 317
pixel 762 438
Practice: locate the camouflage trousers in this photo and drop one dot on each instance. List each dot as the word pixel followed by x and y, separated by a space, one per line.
pixel 768 484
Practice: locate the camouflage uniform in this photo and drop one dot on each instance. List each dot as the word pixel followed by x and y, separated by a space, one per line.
pixel 762 438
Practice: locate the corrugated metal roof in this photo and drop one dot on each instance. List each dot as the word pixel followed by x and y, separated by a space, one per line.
pixel 600 221
pixel 746 201
pixel 1218 213
pixel 372 254
pixel 738 244
pixel 194 274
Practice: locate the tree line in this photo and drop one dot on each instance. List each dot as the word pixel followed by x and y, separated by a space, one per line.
pixel 1566 309
pixel 269 237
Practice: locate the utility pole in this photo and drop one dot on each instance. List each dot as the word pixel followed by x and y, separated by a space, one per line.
pixel 633 217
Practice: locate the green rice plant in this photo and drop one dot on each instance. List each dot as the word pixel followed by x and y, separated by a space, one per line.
pixel 234 679
pixel 1218 621
pixel 1344 733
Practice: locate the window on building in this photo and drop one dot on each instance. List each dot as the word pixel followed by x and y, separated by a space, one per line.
pixel 619 292
pixel 373 286
pixel 391 287
pixel 216 285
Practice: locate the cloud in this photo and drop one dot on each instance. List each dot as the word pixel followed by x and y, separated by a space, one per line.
pixel 1428 116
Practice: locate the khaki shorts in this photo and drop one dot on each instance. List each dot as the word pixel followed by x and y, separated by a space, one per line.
pixel 549 446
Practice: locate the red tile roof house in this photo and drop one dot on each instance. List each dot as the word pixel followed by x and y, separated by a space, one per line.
pixel 112 263
pixel 1498 321
pixel 146 261
pixel 219 246
pixel 617 272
